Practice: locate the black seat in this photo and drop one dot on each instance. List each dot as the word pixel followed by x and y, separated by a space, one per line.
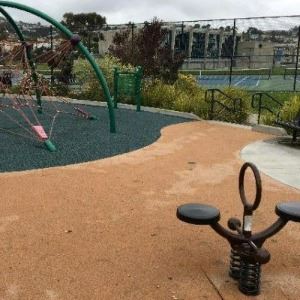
pixel 289 210
pixel 198 214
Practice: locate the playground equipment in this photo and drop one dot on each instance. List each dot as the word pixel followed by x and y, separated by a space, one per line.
pixel 23 108
pixel 247 251
pixel 128 84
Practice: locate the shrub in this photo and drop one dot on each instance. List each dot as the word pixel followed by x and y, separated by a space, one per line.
pixel 268 118
pixel 87 77
pixel 190 96
pixel 288 111
pixel 184 95
pixel 158 94
pixel 242 112
pixel 61 89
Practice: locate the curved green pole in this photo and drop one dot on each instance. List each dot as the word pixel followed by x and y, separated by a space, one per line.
pixel 13 24
pixel 28 52
pixel 80 46
pixel 50 146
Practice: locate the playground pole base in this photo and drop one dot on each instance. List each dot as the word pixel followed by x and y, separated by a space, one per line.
pixel 51 147
pixel 93 118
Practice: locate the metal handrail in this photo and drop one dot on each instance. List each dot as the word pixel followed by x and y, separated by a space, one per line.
pixel 237 102
pixel 261 105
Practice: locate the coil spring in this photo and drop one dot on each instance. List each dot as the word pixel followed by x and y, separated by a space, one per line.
pixel 249 281
pixel 235 264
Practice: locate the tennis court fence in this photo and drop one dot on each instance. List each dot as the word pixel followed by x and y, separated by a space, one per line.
pixel 262 48
pixel 266 49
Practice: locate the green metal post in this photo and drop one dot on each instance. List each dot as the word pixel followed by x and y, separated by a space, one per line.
pixel 116 87
pixel 80 46
pixel 137 87
pixel 51 47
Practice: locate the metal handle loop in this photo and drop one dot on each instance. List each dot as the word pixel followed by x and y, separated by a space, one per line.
pixel 247 206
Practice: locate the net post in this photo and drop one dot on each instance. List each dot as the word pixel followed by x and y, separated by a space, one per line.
pixel 297 60
pixel 232 52
pixel 269 73
pixel 284 73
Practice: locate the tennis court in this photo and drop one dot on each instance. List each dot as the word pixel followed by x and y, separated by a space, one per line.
pixel 250 79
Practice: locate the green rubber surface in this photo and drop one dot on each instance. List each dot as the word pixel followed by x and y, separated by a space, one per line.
pixel 76 139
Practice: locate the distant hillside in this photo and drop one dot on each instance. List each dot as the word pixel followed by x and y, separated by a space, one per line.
pixel 31 31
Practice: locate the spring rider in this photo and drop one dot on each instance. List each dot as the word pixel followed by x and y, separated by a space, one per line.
pixel 247 251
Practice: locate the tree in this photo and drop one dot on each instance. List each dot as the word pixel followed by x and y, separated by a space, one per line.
pixel 148 48
pixel 86 25
pixel 3 32
pixel 207 26
pixel 4 26
pixel 253 33
pixel 83 22
pixel 228 28
pixel 122 47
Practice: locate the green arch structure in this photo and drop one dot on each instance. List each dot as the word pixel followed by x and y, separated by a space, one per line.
pixel 28 52
pixel 69 35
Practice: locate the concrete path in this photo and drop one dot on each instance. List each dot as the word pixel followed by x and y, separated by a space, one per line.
pixel 280 161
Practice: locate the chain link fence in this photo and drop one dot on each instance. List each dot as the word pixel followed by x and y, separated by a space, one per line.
pixel 251 53
pixel 259 54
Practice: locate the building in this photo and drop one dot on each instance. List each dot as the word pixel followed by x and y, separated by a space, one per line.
pixel 255 54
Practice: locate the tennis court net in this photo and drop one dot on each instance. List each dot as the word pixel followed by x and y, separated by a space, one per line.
pixel 255 74
pixel 290 73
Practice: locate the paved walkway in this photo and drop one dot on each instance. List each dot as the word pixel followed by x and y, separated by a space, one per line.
pixel 280 161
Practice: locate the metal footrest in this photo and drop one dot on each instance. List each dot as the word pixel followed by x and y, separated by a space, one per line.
pixel 289 210
pixel 198 214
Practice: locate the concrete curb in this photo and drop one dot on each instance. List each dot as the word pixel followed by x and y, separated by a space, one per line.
pixel 247 127
pixel 168 112
pixel 269 130
pixel 277 131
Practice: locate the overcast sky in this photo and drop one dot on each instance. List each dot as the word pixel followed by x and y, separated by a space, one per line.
pixel 123 11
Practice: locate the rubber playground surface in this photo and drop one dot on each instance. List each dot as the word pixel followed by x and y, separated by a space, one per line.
pixel 78 140
pixel 107 229
pixel 250 82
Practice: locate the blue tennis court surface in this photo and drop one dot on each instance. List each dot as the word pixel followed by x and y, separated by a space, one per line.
pixel 249 82
pixel 236 80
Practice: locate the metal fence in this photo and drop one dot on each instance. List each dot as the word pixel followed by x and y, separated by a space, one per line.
pixel 260 54
pixel 251 53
